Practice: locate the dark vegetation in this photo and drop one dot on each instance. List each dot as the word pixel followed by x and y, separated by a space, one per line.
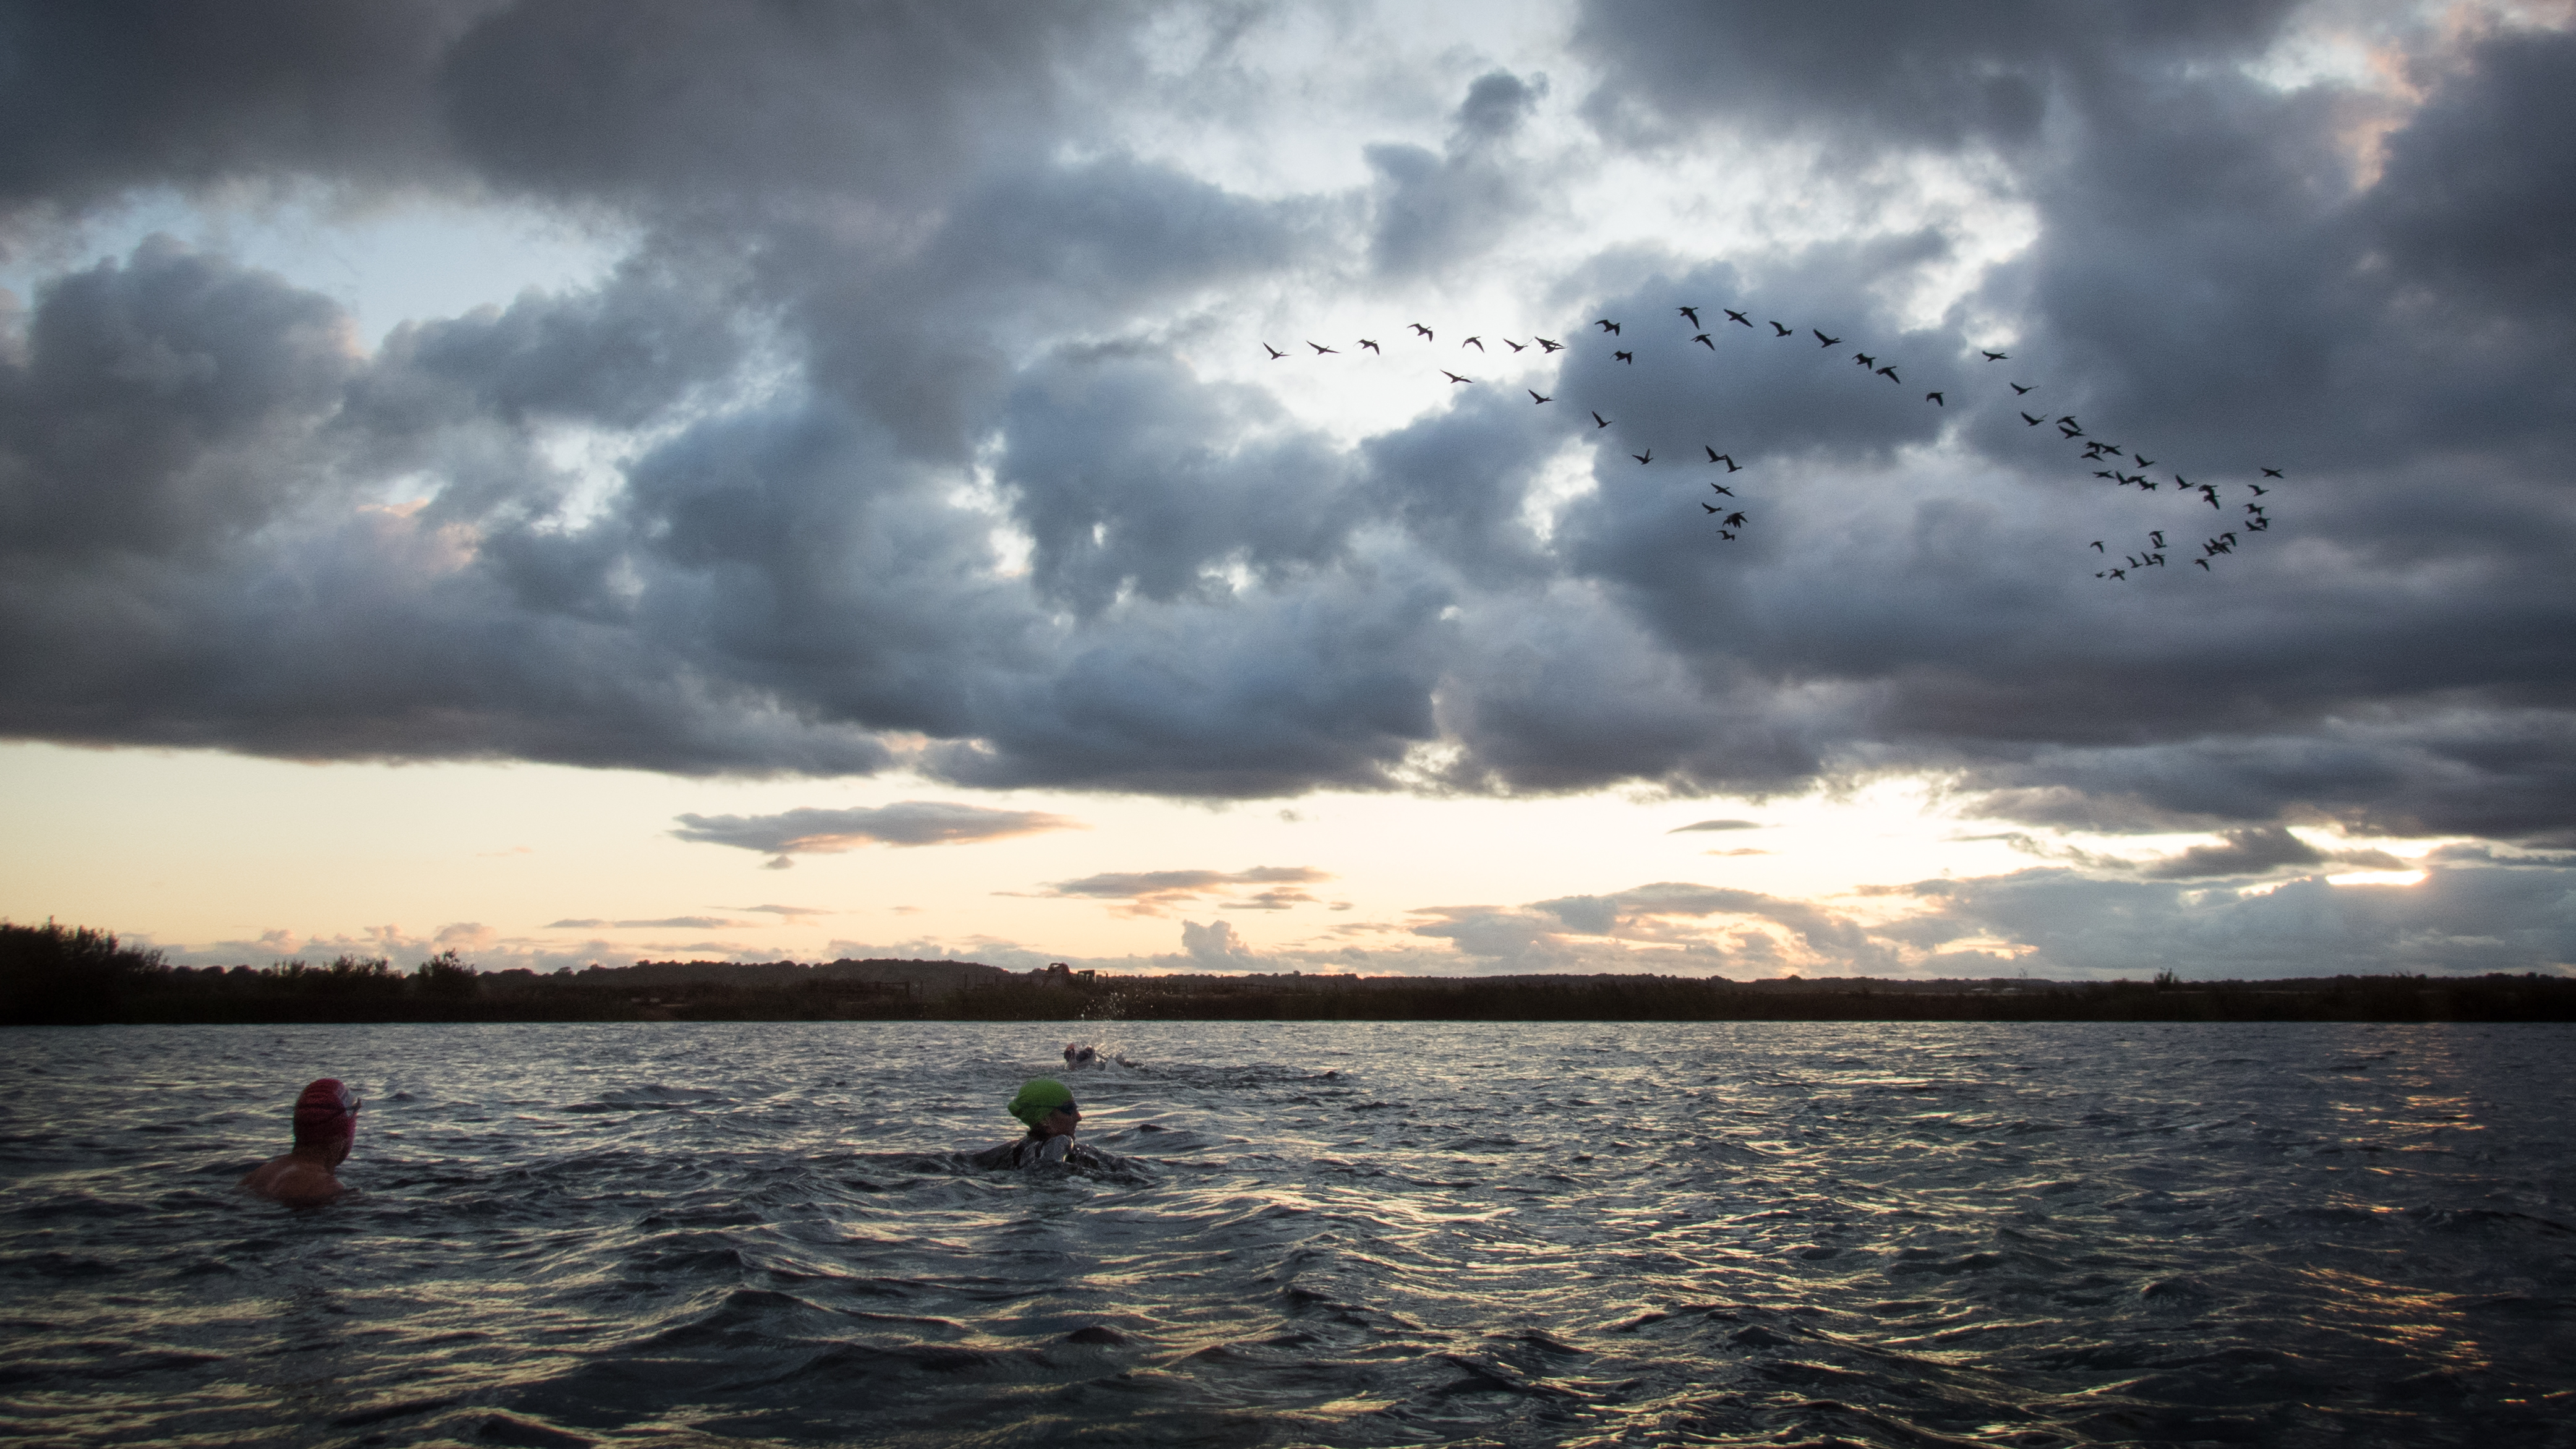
pixel 53 975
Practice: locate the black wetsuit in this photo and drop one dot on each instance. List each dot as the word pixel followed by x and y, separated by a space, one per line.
pixel 1036 1151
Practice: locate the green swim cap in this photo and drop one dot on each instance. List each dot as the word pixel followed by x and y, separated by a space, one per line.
pixel 1039 1096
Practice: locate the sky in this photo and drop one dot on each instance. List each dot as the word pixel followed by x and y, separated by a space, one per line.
pixel 617 479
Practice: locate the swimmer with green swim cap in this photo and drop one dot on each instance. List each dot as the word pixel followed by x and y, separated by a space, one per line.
pixel 1047 1106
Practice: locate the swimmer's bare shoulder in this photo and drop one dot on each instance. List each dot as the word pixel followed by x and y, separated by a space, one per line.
pixel 295 1182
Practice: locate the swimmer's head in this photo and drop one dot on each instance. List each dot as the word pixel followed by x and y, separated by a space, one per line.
pixel 1040 1096
pixel 326 1116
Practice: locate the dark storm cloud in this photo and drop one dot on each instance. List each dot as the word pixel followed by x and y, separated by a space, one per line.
pixel 895 284
pixel 809 831
pixel 1887 70
pixel 1436 210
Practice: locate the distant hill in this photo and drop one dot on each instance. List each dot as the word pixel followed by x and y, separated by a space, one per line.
pixel 923 976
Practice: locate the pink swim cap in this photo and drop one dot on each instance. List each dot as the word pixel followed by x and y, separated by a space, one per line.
pixel 326 1115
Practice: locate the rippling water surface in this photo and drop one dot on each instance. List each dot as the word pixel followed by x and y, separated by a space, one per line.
pixel 1339 1234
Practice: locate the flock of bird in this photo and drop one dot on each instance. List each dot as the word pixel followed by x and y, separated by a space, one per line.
pixel 1730 519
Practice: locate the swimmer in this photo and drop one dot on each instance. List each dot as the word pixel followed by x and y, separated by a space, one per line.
pixel 1078 1056
pixel 326 1127
pixel 1047 1106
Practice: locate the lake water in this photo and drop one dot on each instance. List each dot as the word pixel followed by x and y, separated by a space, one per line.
pixel 1341 1234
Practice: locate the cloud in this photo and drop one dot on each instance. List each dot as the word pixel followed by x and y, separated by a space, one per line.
pixel 666 923
pixel 1152 892
pixel 907 823
pixel 1716 825
pixel 925 436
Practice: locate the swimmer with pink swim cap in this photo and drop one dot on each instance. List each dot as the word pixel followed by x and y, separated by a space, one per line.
pixel 326 1127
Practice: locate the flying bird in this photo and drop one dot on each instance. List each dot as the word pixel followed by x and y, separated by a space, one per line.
pixel 2204 563
pixel 1373 347
pixel 1275 353
pixel 1994 356
pixel 1722 488
pixel 2097 545
pixel 1864 359
pixel 1629 358
pixel 1600 420
pixel 1691 312
pixel 1647 456
pixel 1321 349
pixel 2271 472
pixel 1547 346
pixel 1734 316
pixel 2034 422
pixel 1711 507
pixel 1606 325
pixel 1889 372
pixel 1425 331
pixel 1516 346
pixel 1733 520
pixel 1477 343
pixel 2156 536
pixel 1534 397
pixel 2143 460
pixel 1453 377
pixel 2259 489
pixel 1783 331
pixel 1723 534
pixel 1934 398
pixel 1702 340
pixel 1825 341
pixel 2018 389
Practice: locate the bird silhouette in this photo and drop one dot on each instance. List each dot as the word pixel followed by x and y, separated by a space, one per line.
pixel 2143 460
pixel 1453 377
pixel 2156 536
pixel 1711 507
pixel 1534 397
pixel 1547 346
pixel 1647 456
pixel 2018 389
pixel 1477 343
pixel 1600 420
pixel 1889 372
pixel 2271 472
pixel 1864 359
pixel 2034 422
pixel 1722 488
pixel 1275 353
pixel 2097 545
pixel 1691 312
pixel 1934 398
pixel 1723 534
pixel 1733 520
pixel 1824 341
pixel 1321 349
pixel 1606 325
pixel 2259 489
pixel 1516 346
pixel 1783 331
pixel 2204 563
pixel 1425 331
pixel 1702 340
pixel 1629 358
pixel 1994 356
pixel 1734 316
pixel 1373 347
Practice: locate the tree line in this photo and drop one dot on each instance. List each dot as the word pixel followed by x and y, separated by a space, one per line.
pixel 65 976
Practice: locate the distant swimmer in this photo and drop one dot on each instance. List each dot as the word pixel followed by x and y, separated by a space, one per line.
pixel 326 1127
pixel 1047 1106
pixel 1078 1056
